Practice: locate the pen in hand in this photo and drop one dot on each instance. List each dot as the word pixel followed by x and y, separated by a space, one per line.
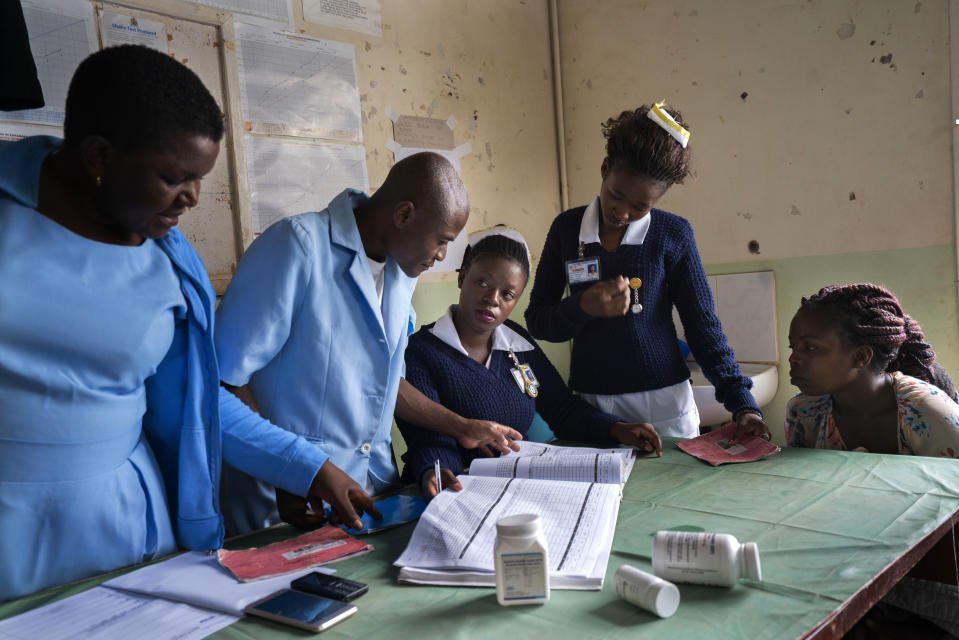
pixel 436 471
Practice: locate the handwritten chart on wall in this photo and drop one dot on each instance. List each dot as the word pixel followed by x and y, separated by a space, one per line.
pixel 298 86
pixel 62 33
pixel 288 177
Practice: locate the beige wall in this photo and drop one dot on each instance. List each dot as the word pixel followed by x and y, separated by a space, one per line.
pixel 823 117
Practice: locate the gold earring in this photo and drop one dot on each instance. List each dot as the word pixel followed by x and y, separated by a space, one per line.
pixel 99 181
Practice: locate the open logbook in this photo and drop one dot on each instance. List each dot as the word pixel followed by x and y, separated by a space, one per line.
pixel 453 540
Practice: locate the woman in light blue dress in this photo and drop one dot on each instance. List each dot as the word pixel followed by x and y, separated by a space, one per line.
pixel 112 421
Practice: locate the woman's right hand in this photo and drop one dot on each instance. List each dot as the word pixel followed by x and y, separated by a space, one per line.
pixel 488 436
pixel 428 482
pixel 606 299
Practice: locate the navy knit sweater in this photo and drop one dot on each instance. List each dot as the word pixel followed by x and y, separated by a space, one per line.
pixel 466 387
pixel 636 352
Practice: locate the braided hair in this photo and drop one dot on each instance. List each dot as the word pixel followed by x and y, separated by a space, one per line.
pixel 636 143
pixel 498 246
pixel 869 315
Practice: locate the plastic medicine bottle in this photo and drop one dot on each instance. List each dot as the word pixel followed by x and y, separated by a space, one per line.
pixel 522 560
pixel 646 591
pixel 704 558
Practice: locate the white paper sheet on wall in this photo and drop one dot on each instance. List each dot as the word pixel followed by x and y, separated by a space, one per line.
pixel 62 33
pixel 278 10
pixel 288 177
pixel 364 16
pixel 117 29
pixel 298 86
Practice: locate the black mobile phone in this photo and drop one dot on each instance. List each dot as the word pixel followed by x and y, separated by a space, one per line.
pixel 329 586
pixel 301 610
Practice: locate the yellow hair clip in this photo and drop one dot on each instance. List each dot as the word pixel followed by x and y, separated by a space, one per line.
pixel 658 115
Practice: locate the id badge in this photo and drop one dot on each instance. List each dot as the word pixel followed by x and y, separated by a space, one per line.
pixel 583 270
pixel 531 384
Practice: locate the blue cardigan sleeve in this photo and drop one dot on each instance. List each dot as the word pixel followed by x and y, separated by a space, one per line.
pixel 423 446
pixel 689 291
pixel 549 315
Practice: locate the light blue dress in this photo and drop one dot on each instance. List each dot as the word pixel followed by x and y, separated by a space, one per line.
pixel 80 489
pixel 301 322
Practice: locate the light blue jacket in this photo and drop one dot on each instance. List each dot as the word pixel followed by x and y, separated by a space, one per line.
pixel 302 324
pixel 191 422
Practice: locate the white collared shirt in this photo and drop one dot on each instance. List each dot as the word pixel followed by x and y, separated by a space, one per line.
pixel 589 228
pixel 378 269
pixel 504 338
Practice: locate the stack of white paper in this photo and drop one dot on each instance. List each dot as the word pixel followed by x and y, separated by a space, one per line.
pixel 197 578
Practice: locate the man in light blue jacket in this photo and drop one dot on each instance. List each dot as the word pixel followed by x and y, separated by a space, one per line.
pixel 312 330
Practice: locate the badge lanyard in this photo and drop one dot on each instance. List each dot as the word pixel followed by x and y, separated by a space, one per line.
pixel 524 376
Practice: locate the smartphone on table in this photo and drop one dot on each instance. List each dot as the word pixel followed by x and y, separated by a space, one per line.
pixel 302 610
pixel 328 586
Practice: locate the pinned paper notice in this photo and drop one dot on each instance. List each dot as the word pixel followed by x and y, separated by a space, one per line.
pixel 120 29
pixel 423 133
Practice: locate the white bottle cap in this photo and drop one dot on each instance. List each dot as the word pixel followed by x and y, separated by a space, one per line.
pixel 646 591
pixel 519 526
pixel 750 559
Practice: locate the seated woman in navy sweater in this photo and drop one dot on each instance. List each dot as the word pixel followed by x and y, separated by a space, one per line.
pixel 477 363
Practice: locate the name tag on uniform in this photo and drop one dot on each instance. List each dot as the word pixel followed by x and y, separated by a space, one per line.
pixel 585 270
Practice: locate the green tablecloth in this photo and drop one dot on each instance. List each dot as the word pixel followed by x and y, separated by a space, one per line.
pixel 826 523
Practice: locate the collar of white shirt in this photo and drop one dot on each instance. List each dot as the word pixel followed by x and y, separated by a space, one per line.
pixel 589 227
pixel 504 338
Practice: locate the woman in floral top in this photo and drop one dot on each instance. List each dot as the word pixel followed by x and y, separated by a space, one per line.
pixel 867 378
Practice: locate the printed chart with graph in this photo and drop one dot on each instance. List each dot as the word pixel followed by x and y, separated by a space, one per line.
pixel 61 35
pixel 298 86
pixel 288 177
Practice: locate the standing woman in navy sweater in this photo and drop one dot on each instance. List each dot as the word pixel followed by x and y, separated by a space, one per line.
pixel 480 365
pixel 627 264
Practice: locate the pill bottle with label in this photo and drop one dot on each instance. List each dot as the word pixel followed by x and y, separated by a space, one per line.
pixel 646 591
pixel 522 560
pixel 704 558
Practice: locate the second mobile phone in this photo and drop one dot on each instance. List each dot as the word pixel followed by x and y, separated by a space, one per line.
pixel 329 586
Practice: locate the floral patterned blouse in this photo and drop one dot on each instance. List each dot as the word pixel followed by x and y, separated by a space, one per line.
pixel 928 422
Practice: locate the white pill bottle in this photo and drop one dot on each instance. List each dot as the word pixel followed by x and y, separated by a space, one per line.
pixel 522 560
pixel 716 559
pixel 646 591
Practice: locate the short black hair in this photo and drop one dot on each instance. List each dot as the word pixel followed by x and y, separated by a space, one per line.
pixel 138 98
pixel 636 143
pixel 497 246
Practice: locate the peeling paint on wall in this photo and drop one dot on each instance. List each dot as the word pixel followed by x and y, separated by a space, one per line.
pixel 846 31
